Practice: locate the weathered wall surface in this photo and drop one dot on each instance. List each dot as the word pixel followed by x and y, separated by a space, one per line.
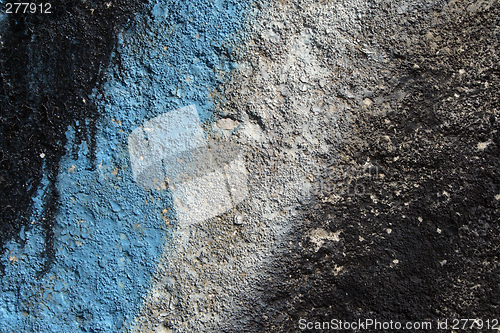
pixel 364 134
pixel 404 225
pixel 108 232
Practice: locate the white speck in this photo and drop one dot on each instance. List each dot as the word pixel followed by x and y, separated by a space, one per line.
pixel 388 230
pixel 395 261
pixel 238 219
pixel 497 197
pixel 483 145
pixel 420 219
pixel 319 236
pixel 227 124
pixel 443 262
pixel 42 155
pixel 438 230
pixel 461 71
pixel 367 102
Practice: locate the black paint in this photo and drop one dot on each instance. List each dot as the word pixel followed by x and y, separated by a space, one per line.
pixel 49 65
pixel 437 197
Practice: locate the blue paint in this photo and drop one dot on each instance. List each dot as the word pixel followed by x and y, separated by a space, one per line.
pixel 109 233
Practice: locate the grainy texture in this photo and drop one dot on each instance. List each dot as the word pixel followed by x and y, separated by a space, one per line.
pixel 423 243
pixel 369 133
pixel 50 64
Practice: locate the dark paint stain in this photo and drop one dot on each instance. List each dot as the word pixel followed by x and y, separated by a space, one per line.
pixel 50 63
pixel 437 197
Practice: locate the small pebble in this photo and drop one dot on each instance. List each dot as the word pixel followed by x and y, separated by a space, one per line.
pixel 238 219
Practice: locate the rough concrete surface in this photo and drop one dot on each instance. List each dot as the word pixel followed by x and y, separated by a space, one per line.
pixel 355 144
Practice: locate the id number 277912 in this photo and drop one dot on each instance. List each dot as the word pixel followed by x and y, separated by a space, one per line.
pixel 27 8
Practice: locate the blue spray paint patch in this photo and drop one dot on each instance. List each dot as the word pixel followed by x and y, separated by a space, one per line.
pixel 109 232
pixel 176 57
pixel 108 236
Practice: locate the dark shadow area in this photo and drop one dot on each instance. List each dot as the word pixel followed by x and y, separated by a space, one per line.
pixel 422 243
